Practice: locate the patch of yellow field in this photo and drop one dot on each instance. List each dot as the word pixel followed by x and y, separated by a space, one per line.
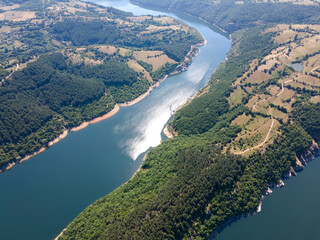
pixel 241 120
pixel 307 46
pixel 312 63
pixel 315 99
pixel 8 8
pixel 258 77
pixel 139 18
pixel 81 49
pixel 5 29
pixel 17 15
pixel 107 49
pixel 289 35
pixel 236 97
pixel 164 20
pixel 287 94
pixel 273 90
pixel 309 80
pixel 74 58
pixel 249 89
pixel 17 44
pixel 278 28
pixel 156 58
pixel 304 26
pixel 124 52
pixel 91 62
pixel 138 68
pixel 154 29
pixel 296 84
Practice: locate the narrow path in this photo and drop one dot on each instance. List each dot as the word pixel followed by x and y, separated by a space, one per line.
pixel 17 68
pixel 282 87
pixel 261 144
pixel 272 123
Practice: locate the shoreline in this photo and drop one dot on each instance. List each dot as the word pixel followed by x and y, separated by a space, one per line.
pixel 184 65
pixel 167 132
pixel 96 120
pixel 188 60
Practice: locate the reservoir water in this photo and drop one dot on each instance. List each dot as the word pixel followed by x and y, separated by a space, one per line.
pixel 41 196
pixel 291 212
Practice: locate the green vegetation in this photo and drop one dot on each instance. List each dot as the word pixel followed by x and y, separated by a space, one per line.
pixel 54 75
pixel 190 185
pixel 230 16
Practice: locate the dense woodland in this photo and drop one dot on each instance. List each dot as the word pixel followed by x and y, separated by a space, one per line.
pixel 52 92
pixel 189 186
pixel 232 17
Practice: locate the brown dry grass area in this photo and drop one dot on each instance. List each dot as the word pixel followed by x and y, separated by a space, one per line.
pixel 17 44
pixel 273 90
pixel 289 35
pixel 312 63
pixel 307 46
pixel 309 80
pixel 156 58
pixel 17 15
pixel 315 99
pixel 296 84
pixel 154 29
pixel 5 29
pixel 107 49
pixel 75 58
pixel 303 26
pixel 164 20
pixel 241 120
pixel 139 18
pixel 124 52
pixel 91 62
pixel 11 7
pixel 138 68
pixel 258 77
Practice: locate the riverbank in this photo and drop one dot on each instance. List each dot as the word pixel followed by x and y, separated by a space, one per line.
pixel 96 120
pixel 180 68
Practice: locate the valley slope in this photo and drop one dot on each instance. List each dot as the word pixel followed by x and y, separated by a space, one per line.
pixel 254 123
pixel 66 62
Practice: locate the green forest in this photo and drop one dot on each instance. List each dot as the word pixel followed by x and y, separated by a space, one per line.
pixel 188 187
pixel 51 92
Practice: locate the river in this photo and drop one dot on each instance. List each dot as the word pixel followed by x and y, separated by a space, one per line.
pixel 41 196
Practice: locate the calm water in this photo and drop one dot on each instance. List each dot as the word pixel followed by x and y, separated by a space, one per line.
pixel 296 66
pixel 292 212
pixel 40 197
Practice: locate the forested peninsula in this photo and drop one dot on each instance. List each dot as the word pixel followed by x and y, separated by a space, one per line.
pixel 256 122
pixel 63 63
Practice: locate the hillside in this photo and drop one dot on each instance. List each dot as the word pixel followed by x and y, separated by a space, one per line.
pixel 254 123
pixel 66 62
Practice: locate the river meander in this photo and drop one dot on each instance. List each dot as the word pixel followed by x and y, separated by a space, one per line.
pixel 41 196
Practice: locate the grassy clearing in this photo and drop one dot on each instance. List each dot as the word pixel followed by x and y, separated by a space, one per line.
pixel 253 133
pixel 138 68
pixel 17 15
pixel 156 58
pixel 236 97
pixel 107 49
pixel 241 120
